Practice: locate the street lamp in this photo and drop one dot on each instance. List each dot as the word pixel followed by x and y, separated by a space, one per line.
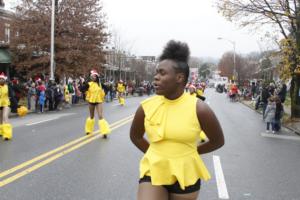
pixel 234 65
pixel 52 41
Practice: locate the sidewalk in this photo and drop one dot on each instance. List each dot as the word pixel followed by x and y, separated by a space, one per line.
pixel 292 125
pixel 80 103
pixel 14 115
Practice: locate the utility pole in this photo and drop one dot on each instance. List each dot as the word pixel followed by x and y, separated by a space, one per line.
pixel 52 40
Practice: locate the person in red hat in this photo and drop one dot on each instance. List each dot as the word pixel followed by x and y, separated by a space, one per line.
pixel 5 127
pixel 95 96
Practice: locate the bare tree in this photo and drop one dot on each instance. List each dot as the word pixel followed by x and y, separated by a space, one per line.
pixel 281 15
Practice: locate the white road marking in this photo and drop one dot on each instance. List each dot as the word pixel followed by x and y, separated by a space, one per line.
pixel 34 123
pixel 222 189
pixel 286 137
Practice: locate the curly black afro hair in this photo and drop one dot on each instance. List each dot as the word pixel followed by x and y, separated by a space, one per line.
pixel 179 52
pixel 176 50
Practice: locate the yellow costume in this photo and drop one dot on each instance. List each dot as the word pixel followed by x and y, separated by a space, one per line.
pixel 173 130
pixel 67 94
pixel 95 94
pixel 6 128
pixel 193 94
pixel 121 90
pixel 199 92
pixel 4 100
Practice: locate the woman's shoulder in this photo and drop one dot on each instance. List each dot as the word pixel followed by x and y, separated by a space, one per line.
pixel 151 100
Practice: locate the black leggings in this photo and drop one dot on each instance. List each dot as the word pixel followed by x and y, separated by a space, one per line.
pixel 175 188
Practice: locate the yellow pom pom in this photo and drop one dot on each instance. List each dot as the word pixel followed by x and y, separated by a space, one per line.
pixel 22 111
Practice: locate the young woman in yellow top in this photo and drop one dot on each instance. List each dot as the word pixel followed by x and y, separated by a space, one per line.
pixel 5 127
pixel 121 92
pixel 95 97
pixel 171 167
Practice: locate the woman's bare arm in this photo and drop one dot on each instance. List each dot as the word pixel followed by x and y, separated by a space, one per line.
pixel 137 130
pixel 211 127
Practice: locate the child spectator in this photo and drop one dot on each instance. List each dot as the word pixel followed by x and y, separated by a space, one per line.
pixel 42 99
pixel 269 115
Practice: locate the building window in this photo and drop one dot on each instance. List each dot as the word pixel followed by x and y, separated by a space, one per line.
pixel 7 33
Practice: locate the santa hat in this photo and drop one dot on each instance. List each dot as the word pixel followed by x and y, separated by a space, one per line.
pixel 38 79
pixel 94 72
pixel 2 75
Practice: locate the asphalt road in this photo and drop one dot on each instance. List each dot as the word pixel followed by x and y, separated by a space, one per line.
pixel 251 165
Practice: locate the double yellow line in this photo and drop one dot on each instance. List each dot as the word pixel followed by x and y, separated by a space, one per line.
pixel 54 154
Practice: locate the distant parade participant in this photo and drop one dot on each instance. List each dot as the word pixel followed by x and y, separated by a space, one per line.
pixel 193 92
pixel 199 90
pixel 5 127
pixel 121 92
pixel 95 97
pixel 203 86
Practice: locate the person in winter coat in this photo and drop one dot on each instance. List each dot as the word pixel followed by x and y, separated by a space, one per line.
pixel 269 115
pixel 282 93
pixel 265 95
pixel 278 114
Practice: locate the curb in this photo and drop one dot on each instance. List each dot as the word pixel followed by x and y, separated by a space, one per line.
pixel 15 115
pixel 297 132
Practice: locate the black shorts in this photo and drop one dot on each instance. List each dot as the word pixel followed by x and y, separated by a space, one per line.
pixel 1 108
pixel 175 188
pixel 93 104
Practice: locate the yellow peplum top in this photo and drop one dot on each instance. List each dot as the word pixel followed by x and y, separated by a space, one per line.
pixel 95 93
pixel 173 130
pixel 120 88
pixel 4 99
pixel 193 94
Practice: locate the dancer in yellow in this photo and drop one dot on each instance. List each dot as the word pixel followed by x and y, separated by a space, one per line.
pixel 171 168
pixel 5 127
pixel 121 92
pixel 95 97
pixel 193 92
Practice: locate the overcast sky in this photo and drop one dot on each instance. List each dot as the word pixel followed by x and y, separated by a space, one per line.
pixel 146 25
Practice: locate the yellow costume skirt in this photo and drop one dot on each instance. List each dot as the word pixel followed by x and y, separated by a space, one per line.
pixel 186 168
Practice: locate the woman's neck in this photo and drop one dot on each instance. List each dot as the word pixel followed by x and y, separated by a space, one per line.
pixel 174 95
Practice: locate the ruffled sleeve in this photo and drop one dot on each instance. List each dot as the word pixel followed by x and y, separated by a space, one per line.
pixel 155 118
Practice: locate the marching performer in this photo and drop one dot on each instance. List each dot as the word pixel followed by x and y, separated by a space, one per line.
pixel 5 127
pixel 193 92
pixel 121 92
pixel 95 97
